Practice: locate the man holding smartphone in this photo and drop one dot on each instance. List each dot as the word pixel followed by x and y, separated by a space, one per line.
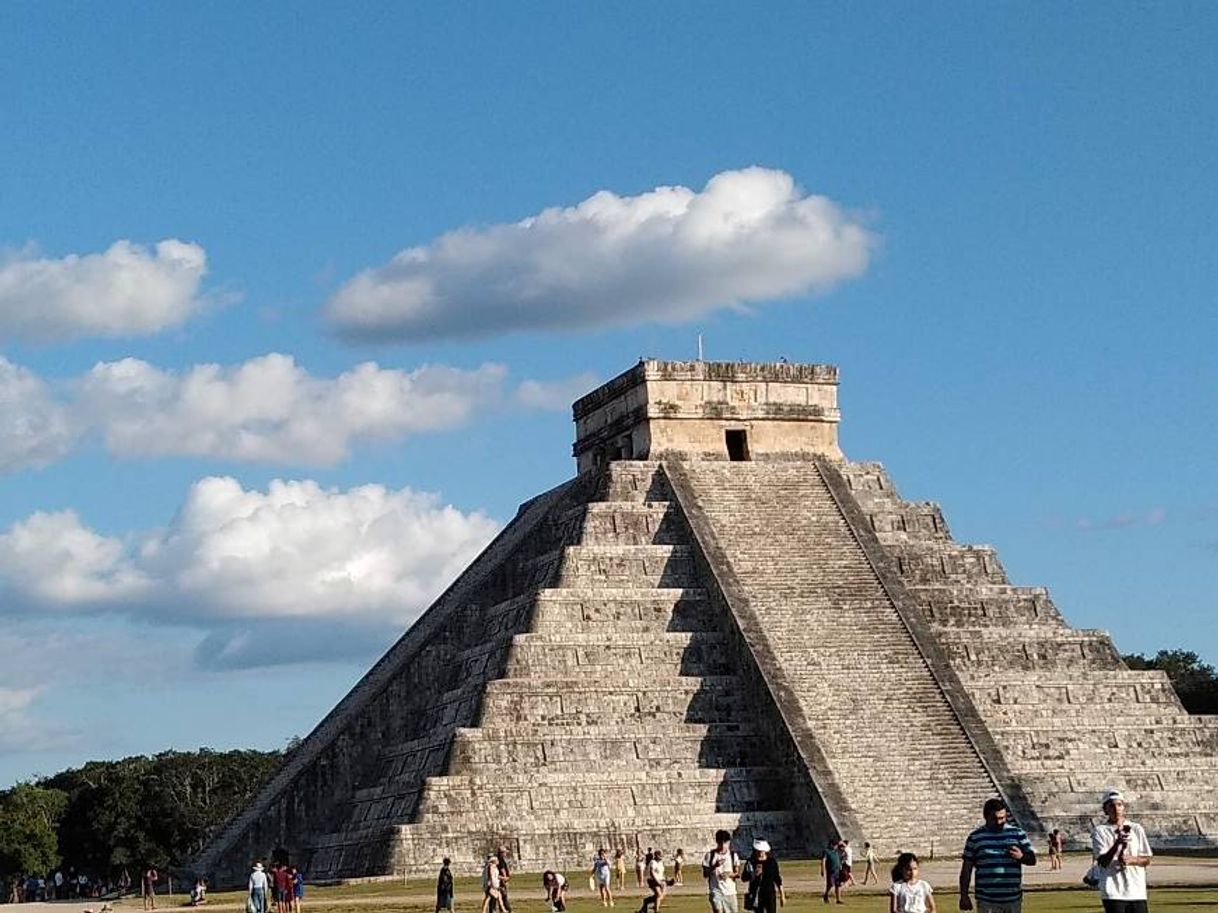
pixel 1122 852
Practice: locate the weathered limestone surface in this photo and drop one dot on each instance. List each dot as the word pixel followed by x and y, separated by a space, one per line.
pixel 1070 717
pixel 720 623
pixel 682 409
pixel 590 695
pixel 892 755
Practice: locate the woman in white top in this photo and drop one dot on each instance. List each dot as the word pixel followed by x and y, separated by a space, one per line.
pixel 909 893
pixel 655 881
pixel 491 894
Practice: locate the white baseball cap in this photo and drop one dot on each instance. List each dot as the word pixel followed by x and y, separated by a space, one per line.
pixel 1111 795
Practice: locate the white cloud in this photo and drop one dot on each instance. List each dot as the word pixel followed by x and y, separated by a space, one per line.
pixel 315 563
pixel 35 428
pixel 267 409
pixel 270 409
pixel 126 290
pixel 667 255
pixel 51 559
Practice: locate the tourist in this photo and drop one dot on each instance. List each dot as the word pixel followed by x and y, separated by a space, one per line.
pixel 721 868
pixel 764 880
pixel 619 868
pixel 678 863
pixel 831 871
pixel 258 887
pixel 282 880
pixel 640 865
pixel 57 880
pixel 602 877
pixel 997 851
pixel 555 885
pixel 870 858
pixel 297 888
pixel 909 893
pixel 847 853
pixel 505 875
pixel 1056 843
pixel 147 887
pixel 655 881
pixel 444 887
pixel 198 894
pixel 124 883
pixel 491 887
pixel 1122 854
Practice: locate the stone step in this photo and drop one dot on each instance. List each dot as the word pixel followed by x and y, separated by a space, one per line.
pixel 609 792
pixel 613 695
pixel 616 566
pixel 642 744
pixel 623 608
pixel 626 523
pixel 1081 716
pixel 640 481
pixel 692 654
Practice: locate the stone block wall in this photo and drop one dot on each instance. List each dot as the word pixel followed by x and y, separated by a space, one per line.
pixel 1071 719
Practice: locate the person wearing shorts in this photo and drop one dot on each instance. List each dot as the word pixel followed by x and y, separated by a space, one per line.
pixel 721 868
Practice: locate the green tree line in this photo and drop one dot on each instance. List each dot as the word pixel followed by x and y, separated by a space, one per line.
pixel 112 815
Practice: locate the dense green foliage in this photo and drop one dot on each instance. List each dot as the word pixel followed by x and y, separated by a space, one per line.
pixel 1196 682
pixel 29 817
pixel 131 813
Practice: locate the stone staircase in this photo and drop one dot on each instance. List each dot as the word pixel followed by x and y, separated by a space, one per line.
pixel 895 748
pixel 618 719
pixel 1072 720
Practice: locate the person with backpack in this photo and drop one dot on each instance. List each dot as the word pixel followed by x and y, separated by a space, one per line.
pixel 721 868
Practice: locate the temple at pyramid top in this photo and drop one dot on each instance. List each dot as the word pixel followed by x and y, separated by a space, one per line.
pixel 709 410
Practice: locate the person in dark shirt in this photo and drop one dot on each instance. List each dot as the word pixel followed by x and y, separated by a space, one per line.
pixel 444 887
pixel 505 875
pixel 764 879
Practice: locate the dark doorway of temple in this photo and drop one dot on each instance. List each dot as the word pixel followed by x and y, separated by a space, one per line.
pixel 737 445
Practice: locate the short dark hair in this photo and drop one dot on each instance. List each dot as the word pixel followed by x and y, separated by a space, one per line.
pixel 723 836
pixel 447 861
pixel 993 806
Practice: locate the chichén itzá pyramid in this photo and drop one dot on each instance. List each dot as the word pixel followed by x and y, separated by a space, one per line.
pixel 654 650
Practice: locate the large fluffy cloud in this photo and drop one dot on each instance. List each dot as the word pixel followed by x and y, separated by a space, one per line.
pixel 270 409
pixel 670 254
pixel 319 566
pixel 125 290
pixel 266 409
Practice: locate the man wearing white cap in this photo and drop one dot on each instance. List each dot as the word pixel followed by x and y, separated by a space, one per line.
pixel 1122 854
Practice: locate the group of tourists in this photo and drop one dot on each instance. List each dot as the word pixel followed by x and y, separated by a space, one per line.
pixel 283 885
pixel 990 881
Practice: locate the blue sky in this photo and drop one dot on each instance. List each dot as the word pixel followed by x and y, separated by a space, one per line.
pixel 1024 316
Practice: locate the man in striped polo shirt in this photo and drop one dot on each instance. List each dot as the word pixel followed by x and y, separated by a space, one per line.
pixel 997 852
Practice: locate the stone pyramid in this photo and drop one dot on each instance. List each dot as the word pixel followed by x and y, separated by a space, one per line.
pixel 721 622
